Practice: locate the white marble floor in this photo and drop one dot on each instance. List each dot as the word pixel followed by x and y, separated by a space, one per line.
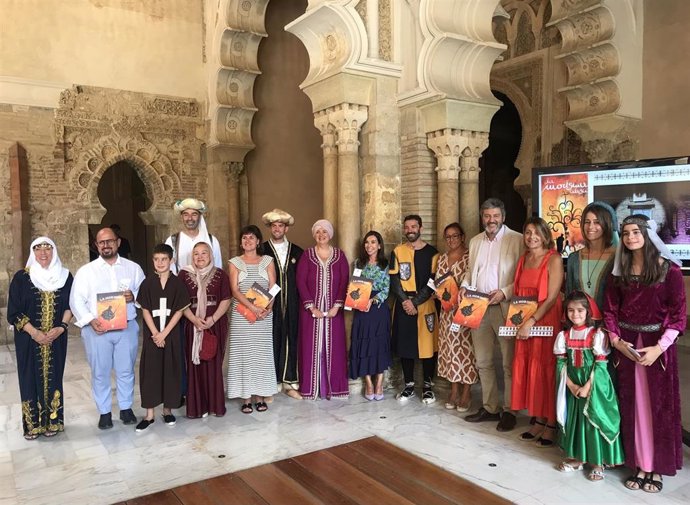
pixel 84 465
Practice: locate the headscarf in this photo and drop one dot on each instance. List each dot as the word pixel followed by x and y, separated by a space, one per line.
pixel 194 204
pixel 202 277
pixel 325 224
pixel 46 279
pixel 278 216
pixel 652 235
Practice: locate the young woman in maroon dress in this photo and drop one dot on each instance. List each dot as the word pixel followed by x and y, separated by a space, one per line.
pixel 540 274
pixel 209 290
pixel 644 309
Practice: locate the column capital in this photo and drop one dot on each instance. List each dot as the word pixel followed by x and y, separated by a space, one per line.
pixel 457 151
pixel 235 169
pixel 327 131
pixel 348 118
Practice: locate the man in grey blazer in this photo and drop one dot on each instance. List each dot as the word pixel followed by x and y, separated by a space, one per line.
pixel 494 255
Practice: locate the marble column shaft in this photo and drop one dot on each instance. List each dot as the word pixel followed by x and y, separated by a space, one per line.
pixel 330 165
pixel 235 169
pixel 348 120
pixel 457 153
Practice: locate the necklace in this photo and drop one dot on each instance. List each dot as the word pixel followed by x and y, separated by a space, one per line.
pixel 589 275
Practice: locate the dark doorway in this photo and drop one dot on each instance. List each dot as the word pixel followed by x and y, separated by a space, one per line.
pixel 123 194
pixel 498 163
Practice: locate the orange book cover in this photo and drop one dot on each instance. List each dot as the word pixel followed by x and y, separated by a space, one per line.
pixel 112 310
pixel 520 310
pixel 471 310
pixel 447 291
pixel 258 296
pixel 248 314
pixel 563 198
pixel 358 293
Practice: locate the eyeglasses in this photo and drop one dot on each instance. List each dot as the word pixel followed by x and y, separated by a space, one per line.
pixel 103 243
pixel 44 246
pixel 452 237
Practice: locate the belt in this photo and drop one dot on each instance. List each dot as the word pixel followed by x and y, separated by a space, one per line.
pixel 642 328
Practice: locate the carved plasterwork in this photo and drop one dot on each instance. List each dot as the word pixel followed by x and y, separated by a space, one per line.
pixel 335 36
pixel 96 128
pixel 239 28
pixel 457 52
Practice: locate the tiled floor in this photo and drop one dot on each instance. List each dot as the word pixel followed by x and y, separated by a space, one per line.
pixel 86 466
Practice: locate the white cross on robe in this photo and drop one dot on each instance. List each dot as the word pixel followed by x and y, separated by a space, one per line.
pixel 162 312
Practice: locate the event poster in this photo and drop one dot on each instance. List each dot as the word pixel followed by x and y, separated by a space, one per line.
pixel 447 291
pixel 520 310
pixel 563 198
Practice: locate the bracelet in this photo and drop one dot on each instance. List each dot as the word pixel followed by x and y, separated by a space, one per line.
pixel 64 325
pixel 213 319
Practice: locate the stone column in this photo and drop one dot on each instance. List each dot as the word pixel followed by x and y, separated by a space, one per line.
pixel 469 180
pixel 235 169
pixel 330 166
pixel 348 119
pixel 447 144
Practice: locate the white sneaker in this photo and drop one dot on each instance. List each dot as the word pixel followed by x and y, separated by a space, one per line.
pixel 407 393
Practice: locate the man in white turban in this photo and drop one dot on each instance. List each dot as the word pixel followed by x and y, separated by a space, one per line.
pixel 286 307
pixel 193 231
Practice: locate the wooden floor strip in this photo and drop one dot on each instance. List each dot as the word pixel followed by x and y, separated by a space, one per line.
pixel 369 471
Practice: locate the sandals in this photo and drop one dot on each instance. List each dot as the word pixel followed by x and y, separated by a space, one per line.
pixel 527 436
pixel 635 482
pixel 30 436
pixel 49 434
pixel 247 408
pixel 652 486
pixel 261 406
pixel 570 466
pixel 545 443
pixel 596 474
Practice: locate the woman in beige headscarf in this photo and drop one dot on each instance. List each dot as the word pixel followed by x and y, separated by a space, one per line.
pixel 209 291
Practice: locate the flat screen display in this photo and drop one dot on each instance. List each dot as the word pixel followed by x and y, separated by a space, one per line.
pixel 659 189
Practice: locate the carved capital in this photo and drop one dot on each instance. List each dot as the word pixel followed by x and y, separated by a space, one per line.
pixel 348 118
pixel 235 169
pixel 327 131
pixel 608 138
pixel 469 160
pixel 457 153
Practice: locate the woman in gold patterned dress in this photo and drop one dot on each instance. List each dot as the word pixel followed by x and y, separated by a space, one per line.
pixel 455 354
pixel 38 308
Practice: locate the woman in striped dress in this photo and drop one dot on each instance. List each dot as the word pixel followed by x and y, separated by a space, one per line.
pixel 251 371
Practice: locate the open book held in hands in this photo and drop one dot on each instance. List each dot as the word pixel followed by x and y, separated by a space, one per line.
pixel 471 310
pixel 358 293
pixel 112 310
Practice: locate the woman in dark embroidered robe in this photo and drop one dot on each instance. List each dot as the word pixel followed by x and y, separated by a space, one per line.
pixel 38 308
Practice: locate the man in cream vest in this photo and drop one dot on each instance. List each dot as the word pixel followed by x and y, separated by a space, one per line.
pixel 494 255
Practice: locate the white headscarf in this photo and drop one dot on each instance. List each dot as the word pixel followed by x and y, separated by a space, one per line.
pixel 46 279
pixel 651 226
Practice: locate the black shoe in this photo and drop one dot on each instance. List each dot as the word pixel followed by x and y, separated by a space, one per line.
pixel 105 422
pixel 483 415
pixel 183 400
pixel 507 422
pixel 169 419
pixel 145 423
pixel 128 417
pixel 407 393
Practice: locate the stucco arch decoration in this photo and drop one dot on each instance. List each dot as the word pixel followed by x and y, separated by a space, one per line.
pixel 238 30
pixel 154 169
pixel 601 48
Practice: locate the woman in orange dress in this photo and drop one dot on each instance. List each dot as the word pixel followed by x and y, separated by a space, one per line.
pixel 539 274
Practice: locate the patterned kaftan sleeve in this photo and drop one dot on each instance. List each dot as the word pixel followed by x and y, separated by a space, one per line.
pixel 342 278
pixel 304 287
pixel 19 300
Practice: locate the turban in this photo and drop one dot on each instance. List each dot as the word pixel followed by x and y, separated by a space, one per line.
pixel 278 216
pixel 189 203
pixel 325 224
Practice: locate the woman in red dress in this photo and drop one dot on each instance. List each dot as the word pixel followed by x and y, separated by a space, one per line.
pixel 539 274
